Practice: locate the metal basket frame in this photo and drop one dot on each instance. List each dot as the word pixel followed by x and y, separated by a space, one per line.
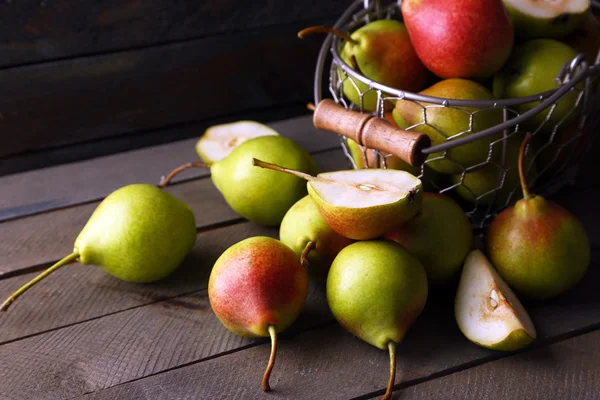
pixel 573 73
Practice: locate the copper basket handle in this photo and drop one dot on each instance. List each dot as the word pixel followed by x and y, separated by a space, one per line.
pixel 371 132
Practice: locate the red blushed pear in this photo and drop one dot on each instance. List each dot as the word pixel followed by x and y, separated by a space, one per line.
pixel 538 247
pixel 459 38
pixel 257 288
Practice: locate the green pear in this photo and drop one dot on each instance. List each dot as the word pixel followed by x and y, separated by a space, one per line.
pixel 220 140
pixel 376 290
pixel 538 247
pixel 532 69
pixel 487 311
pixel 546 19
pixel 306 232
pixel 361 204
pixel 444 123
pixel 440 235
pixel 495 182
pixel 138 233
pixel 257 288
pixel 381 51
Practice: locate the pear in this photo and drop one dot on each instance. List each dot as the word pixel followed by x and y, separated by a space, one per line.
pixel 376 290
pixel 495 182
pixel 304 231
pixel 532 69
pixel 546 19
pixel 361 204
pixel 487 311
pixel 258 195
pixel 257 288
pixel 220 140
pixel 444 123
pixel 138 233
pixel 382 51
pixel 440 235
pixel 538 247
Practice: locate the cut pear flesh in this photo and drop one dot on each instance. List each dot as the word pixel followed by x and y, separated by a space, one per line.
pixel 364 188
pixel 220 140
pixel 549 8
pixel 487 311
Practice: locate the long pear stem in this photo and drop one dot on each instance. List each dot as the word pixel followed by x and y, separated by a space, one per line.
pixel 324 29
pixel 265 382
pixel 526 193
pixel 275 167
pixel 303 260
pixel 392 379
pixel 67 260
pixel 166 180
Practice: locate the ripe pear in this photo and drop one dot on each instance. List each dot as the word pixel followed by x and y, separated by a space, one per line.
pixel 361 204
pixel 487 311
pixel 546 19
pixel 257 288
pixel 495 182
pixel 446 122
pixel 532 69
pixel 538 247
pixel 258 195
pixel 440 236
pixel 306 232
pixel 376 290
pixel 138 233
pixel 220 140
pixel 382 51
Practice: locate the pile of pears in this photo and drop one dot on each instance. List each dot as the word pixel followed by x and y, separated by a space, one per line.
pixel 519 51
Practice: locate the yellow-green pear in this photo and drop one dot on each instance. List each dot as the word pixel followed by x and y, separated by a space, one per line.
pixel 487 311
pixel 138 233
pixel 220 140
pixel 376 290
pixel 361 204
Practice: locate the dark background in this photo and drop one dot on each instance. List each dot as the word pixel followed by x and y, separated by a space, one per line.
pixel 80 79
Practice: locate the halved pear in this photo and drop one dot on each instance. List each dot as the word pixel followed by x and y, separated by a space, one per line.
pixel 220 140
pixel 546 19
pixel 362 204
pixel 487 311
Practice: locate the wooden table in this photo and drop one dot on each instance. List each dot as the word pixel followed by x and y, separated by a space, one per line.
pixel 85 334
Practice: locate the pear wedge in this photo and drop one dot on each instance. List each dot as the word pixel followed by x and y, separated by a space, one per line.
pixel 220 140
pixel 361 204
pixel 487 311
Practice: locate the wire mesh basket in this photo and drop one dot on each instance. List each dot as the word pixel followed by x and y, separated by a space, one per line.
pixel 478 164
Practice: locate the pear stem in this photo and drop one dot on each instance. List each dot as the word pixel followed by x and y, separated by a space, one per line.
pixel 392 379
pixel 303 260
pixel 166 180
pixel 67 260
pixel 311 106
pixel 526 193
pixel 275 167
pixel 265 382
pixel 324 29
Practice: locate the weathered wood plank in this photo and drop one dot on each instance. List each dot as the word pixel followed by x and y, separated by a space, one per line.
pixel 110 95
pixel 45 189
pixel 565 370
pixel 45 238
pixel 32 31
pixel 330 363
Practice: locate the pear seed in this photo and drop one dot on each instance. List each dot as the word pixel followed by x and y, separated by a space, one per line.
pixel 366 186
pixel 494 299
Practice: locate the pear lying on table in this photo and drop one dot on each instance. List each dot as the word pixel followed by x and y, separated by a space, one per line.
pixel 220 140
pixel 138 233
pixel 487 311
pixel 361 204
pixel 257 288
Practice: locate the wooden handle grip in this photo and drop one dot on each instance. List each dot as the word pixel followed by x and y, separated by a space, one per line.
pixel 371 132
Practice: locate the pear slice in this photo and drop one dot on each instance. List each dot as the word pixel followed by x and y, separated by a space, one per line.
pixel 487 311
pixel 546 19
pixel 361 204
pixel 220 140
